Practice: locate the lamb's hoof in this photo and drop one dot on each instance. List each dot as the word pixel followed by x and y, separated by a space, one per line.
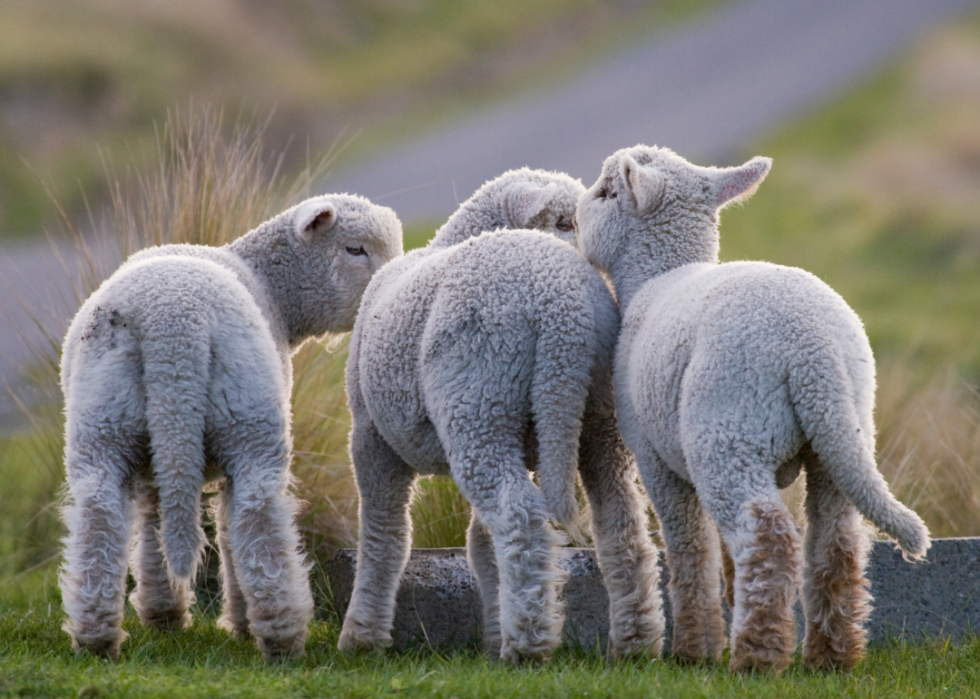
pixel 695 652
pixel 492 648
pixel 637 647
pixel 820 654
pixel 236 629
pixel 758 659
pixel 354 638
pixel 167 620
pixel 688 660
pixel 279 649
pixel 106 645
pixel 532 656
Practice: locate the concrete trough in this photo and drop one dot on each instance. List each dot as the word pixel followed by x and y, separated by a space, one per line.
pixel 438 602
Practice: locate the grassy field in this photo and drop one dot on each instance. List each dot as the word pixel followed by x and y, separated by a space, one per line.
pixel 80 78
pixel 36 661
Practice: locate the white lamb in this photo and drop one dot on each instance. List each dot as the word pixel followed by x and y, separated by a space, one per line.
pixel 177 371
pixel 729 379
pixel 477 356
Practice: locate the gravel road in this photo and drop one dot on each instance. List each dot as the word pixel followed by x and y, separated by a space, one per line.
pixel 706 89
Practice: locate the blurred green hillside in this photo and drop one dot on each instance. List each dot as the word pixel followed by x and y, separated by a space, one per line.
pixel 879 195
pixel 81 78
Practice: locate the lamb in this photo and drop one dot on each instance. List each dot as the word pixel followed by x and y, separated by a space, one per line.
pixel 485 355
pixel 175 372
pixel 730 379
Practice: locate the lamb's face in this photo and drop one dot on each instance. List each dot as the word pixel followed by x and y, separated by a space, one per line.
pixel 655 194
pixel 541 200
pixel 343 240
pixel 517 199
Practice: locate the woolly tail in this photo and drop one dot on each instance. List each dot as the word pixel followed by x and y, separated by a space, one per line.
pixel 176 380
pixel 563 365
pixel 830 421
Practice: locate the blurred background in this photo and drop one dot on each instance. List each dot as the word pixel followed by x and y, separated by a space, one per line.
pixel 124 123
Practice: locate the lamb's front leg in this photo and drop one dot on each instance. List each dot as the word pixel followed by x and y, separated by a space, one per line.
pixel 483 562
pixel 627 556
pixel 159 601
pixel 384 482
pixel 693 557
pixel 234 610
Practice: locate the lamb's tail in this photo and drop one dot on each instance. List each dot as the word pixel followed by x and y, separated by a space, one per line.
pixel 822 394
pixel 563 365
pixel 176 367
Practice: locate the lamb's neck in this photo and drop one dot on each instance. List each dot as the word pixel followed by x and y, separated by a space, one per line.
pixel 267 257
pixel 629 274
pixel 470 221
pixel 641 262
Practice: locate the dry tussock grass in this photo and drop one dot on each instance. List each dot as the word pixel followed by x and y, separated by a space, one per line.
pixel 929 447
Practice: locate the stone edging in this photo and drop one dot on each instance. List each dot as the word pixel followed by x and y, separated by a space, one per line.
pixel 438 603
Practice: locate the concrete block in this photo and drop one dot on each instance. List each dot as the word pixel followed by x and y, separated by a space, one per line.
pixel 438 602
pixel 939 597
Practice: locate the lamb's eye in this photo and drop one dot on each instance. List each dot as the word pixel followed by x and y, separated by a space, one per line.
pixel 601 194
pixel 613 195
pixel 565 224
pixel 356 252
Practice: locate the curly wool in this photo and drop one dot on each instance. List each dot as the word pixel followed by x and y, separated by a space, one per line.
pixel 729 378
pixel 474 357
pixel 177 371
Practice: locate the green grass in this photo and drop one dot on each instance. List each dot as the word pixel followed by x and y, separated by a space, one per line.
pixel 36 661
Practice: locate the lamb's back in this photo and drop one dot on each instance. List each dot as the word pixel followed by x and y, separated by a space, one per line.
pixel 450 316
pixel 161 310
pixel 745 324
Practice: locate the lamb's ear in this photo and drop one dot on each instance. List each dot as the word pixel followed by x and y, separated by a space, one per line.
pixel 735 184
pixel 523 202
pixel 313 218
pixel 644 184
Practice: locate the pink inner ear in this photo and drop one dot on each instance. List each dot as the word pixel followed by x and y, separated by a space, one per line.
pixel 739 181
pixel 320 219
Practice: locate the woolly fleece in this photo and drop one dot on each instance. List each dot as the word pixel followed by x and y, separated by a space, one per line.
pixel 729 379
pixel 177 371
pixel 474 357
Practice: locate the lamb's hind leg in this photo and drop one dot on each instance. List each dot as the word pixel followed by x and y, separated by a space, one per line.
pixel 835 590
pixel 265 546
pixel 384 482
pixel 483 562
pixel 159 601
pixel 766 551
pixel 93 577
pixel 627 556
pixel 494 479
pixel 693 557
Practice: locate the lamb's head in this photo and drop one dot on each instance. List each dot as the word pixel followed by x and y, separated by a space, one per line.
pixel 521 198
pixel 650 202
pixel 318 258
